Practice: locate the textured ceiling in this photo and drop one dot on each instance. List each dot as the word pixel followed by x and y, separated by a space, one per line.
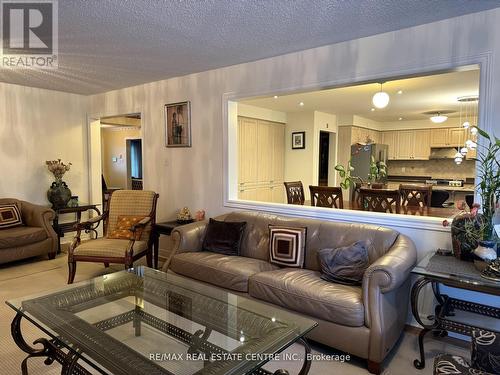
pixel 111 44
pixel 433 93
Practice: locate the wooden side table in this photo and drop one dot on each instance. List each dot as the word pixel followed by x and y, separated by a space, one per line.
pixel 452 314
pixel 166 229
pixel 61 228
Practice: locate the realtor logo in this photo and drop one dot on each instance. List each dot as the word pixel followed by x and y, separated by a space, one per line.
pixel 29 34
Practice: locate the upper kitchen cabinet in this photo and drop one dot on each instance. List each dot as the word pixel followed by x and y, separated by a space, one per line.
pixel 407 144
pixel 361 135
pixel 390 138
pixel 448 137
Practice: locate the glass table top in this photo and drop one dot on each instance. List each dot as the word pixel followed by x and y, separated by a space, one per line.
pixel 144 321
pixel 450 270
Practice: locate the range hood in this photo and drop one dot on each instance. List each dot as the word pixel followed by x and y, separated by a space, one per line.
pixel 443 153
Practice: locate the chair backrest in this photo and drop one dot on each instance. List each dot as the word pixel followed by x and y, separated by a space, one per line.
pixel 415 195
pixel 439 197
pixel 294 192
pixel 326 196
pixel 380 200
pixel 132 202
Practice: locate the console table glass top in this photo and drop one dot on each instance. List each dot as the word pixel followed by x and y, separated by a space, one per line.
pixel 451 271
pixel 144 321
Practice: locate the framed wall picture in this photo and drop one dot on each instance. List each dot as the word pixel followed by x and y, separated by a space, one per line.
pixel 178 124
pixel 298 140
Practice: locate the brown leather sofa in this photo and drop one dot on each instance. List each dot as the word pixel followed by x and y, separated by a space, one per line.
pixel 365 321
pixel 35 237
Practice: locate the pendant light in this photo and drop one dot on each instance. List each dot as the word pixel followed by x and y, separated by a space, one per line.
pixel 381 98
pixel 438 118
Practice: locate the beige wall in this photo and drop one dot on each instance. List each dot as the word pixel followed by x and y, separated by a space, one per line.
pixel 447 169
pixel 38 125
pixel 261 113
pixel 113 145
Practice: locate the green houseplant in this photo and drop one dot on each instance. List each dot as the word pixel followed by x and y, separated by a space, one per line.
pixel 378 171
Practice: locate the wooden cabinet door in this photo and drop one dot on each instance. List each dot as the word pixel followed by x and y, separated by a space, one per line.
pixel 457 137
pixel 376 136
pixel 265 143
pixel 356 135
pixel 405 145
pixel 389 138
pixel 422 144
pixel 278 170
pixel 439 137
pixel 247 150
pixel 264 193
pixel 278 193
pixel 248 194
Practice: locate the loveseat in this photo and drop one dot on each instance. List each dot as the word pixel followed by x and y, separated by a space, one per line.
pixel 365 321
pixel 34 237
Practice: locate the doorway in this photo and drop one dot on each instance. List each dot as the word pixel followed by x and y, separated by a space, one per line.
pixel 327 158
pixel 116 155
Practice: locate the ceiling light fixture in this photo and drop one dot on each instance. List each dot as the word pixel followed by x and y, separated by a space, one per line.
pixel 438 118
pixel 400 92
pixel 373 109
pixel 381 98
pixel 301 104
pixel 275 96
pixel 400 119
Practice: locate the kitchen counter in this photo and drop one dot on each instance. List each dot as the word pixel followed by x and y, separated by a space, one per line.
pixel 467 188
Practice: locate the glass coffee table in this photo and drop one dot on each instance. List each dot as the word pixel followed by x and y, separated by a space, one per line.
pixel 143 321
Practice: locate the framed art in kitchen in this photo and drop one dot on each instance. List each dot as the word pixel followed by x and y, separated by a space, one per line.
pixel 178 124
pixel 298 140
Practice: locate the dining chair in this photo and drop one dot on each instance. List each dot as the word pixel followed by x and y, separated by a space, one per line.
pixel 294 192
pixel 326 196
pixel 415 195
pixel 380 200
pixel 129 233
pixel 439 197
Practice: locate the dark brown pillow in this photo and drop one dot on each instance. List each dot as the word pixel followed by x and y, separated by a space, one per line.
pixel 223 237
pixel 345 265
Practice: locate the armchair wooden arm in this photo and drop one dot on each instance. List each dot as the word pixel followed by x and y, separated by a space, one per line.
pixel 140 224
pixel 90 222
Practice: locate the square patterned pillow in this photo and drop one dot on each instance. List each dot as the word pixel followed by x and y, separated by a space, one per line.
pixel 122 230
pixel 10 216
pixel 287 245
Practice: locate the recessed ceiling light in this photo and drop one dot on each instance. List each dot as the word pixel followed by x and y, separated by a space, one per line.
pixel 301 104
pixel 400 118
pixel 400 92
pixel 275 96
pixel 373 109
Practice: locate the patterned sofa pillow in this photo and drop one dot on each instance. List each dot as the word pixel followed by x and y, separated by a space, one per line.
pixel 287 245
pixel 10 216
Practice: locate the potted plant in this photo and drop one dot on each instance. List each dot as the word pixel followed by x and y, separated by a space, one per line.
pixel 378 172
pixel 58 194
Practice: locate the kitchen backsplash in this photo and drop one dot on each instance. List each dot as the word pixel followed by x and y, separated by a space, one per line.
pixel 435 168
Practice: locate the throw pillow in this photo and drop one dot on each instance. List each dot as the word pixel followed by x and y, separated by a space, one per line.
pixel 122 230
pixel 287 245
pixel 10 216
pixel 486 351
pixel 223 237
pixel 345 265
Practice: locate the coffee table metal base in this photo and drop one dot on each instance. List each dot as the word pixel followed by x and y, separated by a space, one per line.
pixel 68 360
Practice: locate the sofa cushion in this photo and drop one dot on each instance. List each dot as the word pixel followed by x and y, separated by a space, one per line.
pixel 304 291
pixel 223 237
pixel 10 216
pixel 345 265
pixel 230 272
pixel 287 245
pixel 20 236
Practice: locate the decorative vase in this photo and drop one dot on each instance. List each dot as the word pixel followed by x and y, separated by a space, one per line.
pixel 59 194
pixel 463 247
pixel 486 250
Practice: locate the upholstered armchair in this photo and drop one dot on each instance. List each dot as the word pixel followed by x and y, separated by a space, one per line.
pixel 129 220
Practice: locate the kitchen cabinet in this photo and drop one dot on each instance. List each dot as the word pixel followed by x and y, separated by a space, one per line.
pixel 261 150
pixel 390 138
pixel 407 144
pixel 448 137
pixel 360 135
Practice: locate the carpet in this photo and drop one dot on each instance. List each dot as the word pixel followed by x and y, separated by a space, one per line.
pixel 38 275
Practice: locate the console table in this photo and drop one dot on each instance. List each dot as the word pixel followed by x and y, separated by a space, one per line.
pixel 452 314
pixel 61 228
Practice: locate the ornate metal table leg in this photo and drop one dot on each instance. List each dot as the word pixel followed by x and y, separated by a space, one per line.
pixel 45 351
pixel 307 361
pixel 70 364
pixel 415 292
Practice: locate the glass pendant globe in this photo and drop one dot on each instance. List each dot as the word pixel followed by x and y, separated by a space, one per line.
pixel 380 99
pixel 458 155
pixel 466 124
pixel 463 151
pixel 473 131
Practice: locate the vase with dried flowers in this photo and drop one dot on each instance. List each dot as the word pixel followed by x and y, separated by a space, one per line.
pixel 58 194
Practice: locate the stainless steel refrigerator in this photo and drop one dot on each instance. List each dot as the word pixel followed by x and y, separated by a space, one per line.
pixel 361 156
